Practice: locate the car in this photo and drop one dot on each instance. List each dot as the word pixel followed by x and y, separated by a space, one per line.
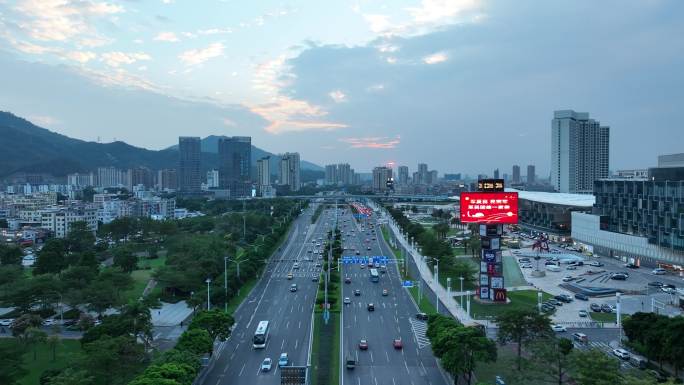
pixel 580 337
pixel 385 292
pixel 347 301
pixel 526 266
pixel 290 275
pixel 619 276
pixel 368 248
pixel 363 345
pixel 266 364
pixel 422 316
pixel 293 287
pixel 568 278
pixel 655 284
pixel 283 360
pixel 314 279
pixel 347 280
pixel 524 259
pixel 397 343
pixel 556 302
pixel 6 321
pixel 582 297
pixel 370 307
pixel 621 353
pixel 668 290
pixel 49 322
pixel 583 313
pixel 547 263
pixel 595 307
pixel 669 286
pixel 595 264
pixel 631 266
pixel 358 252
pixel 363 266
pixel 558 328
pixel 547 308
pixel 606 308
pixel 571 267
pixel 659 271
pixel 357 292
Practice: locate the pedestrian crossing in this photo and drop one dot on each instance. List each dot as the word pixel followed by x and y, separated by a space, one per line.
pixel 604 347
pixel 419 330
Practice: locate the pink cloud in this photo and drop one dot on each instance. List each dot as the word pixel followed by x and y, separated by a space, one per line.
pixel 372 142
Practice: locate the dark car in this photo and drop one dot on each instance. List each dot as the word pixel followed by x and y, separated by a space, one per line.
pixel 582 297
pixel 631 266
pixel 347 280
pixel 655 284
pixel 363 345
pixel 357 292
pixel 422 316
pixel 564 298
pixel 606 308
pixel 619 276
pixel 371 307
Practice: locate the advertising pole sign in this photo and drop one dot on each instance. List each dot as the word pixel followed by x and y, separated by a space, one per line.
pixel 491 207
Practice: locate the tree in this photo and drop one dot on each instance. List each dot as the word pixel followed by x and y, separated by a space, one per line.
pixel 197 341
pixel 53 342
pixel 593 367
pixel 674 343
pixel 3 223
pixel 51 258
pixel 522 326
pixel 11 363
pixel 113 360
pixel 126 260
pixel 550 359
pixel 217 323
pixel 460 348
pixel 80 238
pixel 32 337
pixel 24 322
pixel 441 229
pixel 72 377
pixel 139 315
pixel 10 255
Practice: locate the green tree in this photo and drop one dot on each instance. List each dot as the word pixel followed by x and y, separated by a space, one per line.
pixel 550 359
pixel 197 341
pixel 33 337
pixel 70 376
pixel 113 360
pixel 441 229
pixel 53 342
pixel 675 343
pixel 80 238
pixel 10 255
pixel 25 322
pixel 138 313
pixel 460 348
pixel 593 367
pixel 51 258
pixel 522 326
pixel 125 260
pixel 217 323
pixel 11 363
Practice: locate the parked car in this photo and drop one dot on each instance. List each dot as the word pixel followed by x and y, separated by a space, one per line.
pixel 266 364
pixel 621 353
pixel 595 264
pixel 659 271
pixel 595 307
pixel 6 322
pixel 606 308
pixel 571 267
pixel 583 313
pixel 655 284
pixel 619 276
pixel 564 298
pixel 526 266
pixel 568 278
pixel 631 266
pixel 582 297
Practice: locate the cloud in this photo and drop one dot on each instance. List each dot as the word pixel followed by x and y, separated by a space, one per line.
pixel 441 11
pixel 117 58
pixel 435 58
pixel 198 56
pixel 376 142
pixel 214 31
pixel 60 20
pixel 43 120
pixel 378 23
pixel 338 96
pixel 80 56
pixel 169 37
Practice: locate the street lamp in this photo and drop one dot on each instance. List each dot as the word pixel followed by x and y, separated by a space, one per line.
pixel 461 293
pixel 208 281
pixel 437 279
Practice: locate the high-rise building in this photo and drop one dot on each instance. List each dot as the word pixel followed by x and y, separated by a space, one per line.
pixel 113 177
pixel 432 177
pixel 422 174
pixel 331 174
pixel 344 176
pixel 671 160
pixel 579 151
pixel 263 174
pixel 141 176
pixel 496 174
pixel 381 175
pixel 516 174
pixel 167 179
pixel 189 149
pixel 289 171
pixel 452 177
pixel 212 179
pixel 81 180
pixel 531 174
pixel 403 175
pixel 235 165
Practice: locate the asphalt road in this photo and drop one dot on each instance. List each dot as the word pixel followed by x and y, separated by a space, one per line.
pixel 394 317
pixel 289 313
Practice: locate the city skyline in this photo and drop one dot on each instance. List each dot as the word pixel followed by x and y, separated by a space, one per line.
pixel 148 66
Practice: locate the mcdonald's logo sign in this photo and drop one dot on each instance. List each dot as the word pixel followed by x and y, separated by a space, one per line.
pixel 500 295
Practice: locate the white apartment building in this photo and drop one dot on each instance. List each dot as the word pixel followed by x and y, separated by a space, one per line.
pixel 59 219
pixel 579 152
pixel 290 171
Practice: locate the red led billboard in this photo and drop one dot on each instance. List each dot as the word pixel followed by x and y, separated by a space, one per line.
pixel 489 207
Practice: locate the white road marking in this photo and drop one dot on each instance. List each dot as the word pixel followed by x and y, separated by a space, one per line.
pixel 241 370
pixel 282 344
pixel 387 356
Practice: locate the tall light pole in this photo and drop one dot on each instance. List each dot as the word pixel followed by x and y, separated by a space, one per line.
pixel 225 284
pixel 208 281
pixel 437 279
pixel 461 292
pixel 618 316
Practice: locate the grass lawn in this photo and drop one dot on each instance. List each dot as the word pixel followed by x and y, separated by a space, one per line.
pixel 485 373
pixel 521 299
pixel 65 351
pixel 151 263
pixel 425 306
pixel 604 317
pixel 244 292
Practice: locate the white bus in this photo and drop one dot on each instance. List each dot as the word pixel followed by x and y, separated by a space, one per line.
pixel 261 335
pixel 374 277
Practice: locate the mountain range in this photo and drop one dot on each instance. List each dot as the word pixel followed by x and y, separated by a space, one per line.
pixel 27 148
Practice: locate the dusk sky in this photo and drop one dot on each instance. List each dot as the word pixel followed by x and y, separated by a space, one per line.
pixel 463 85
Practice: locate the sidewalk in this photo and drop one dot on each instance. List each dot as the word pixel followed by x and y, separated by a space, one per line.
pixel 447 300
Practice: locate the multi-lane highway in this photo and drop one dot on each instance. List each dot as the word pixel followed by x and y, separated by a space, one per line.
pixel 393 318
pixel 289 313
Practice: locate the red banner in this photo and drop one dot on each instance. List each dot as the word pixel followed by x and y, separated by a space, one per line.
pixel 489 207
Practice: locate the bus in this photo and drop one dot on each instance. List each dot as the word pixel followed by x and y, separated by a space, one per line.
pixel 374 277
pixel 261 335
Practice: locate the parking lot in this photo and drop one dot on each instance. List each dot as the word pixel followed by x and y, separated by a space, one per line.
pixel 637 294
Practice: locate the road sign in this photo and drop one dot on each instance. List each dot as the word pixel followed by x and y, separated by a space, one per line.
pixel 326 315
pixel 293 375
pixel 407 284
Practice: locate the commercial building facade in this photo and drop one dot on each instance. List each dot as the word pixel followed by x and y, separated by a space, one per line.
pixel 579 152
pixel 380 177
pixel 550 213
pixel 189 150
pixel 235 165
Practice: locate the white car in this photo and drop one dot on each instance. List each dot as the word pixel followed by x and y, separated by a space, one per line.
pixel 621 353
pixel 558 328
pixel 659 271
pixel 6 322
pixel 567 278
pixel 595 264
pixel 347 301
pixel 266 365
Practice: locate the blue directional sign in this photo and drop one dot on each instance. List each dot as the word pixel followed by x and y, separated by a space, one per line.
pixel 365 259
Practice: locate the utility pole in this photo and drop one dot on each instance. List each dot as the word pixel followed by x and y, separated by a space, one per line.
pixel 225 284
pixel 437 279
pixel 208 281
